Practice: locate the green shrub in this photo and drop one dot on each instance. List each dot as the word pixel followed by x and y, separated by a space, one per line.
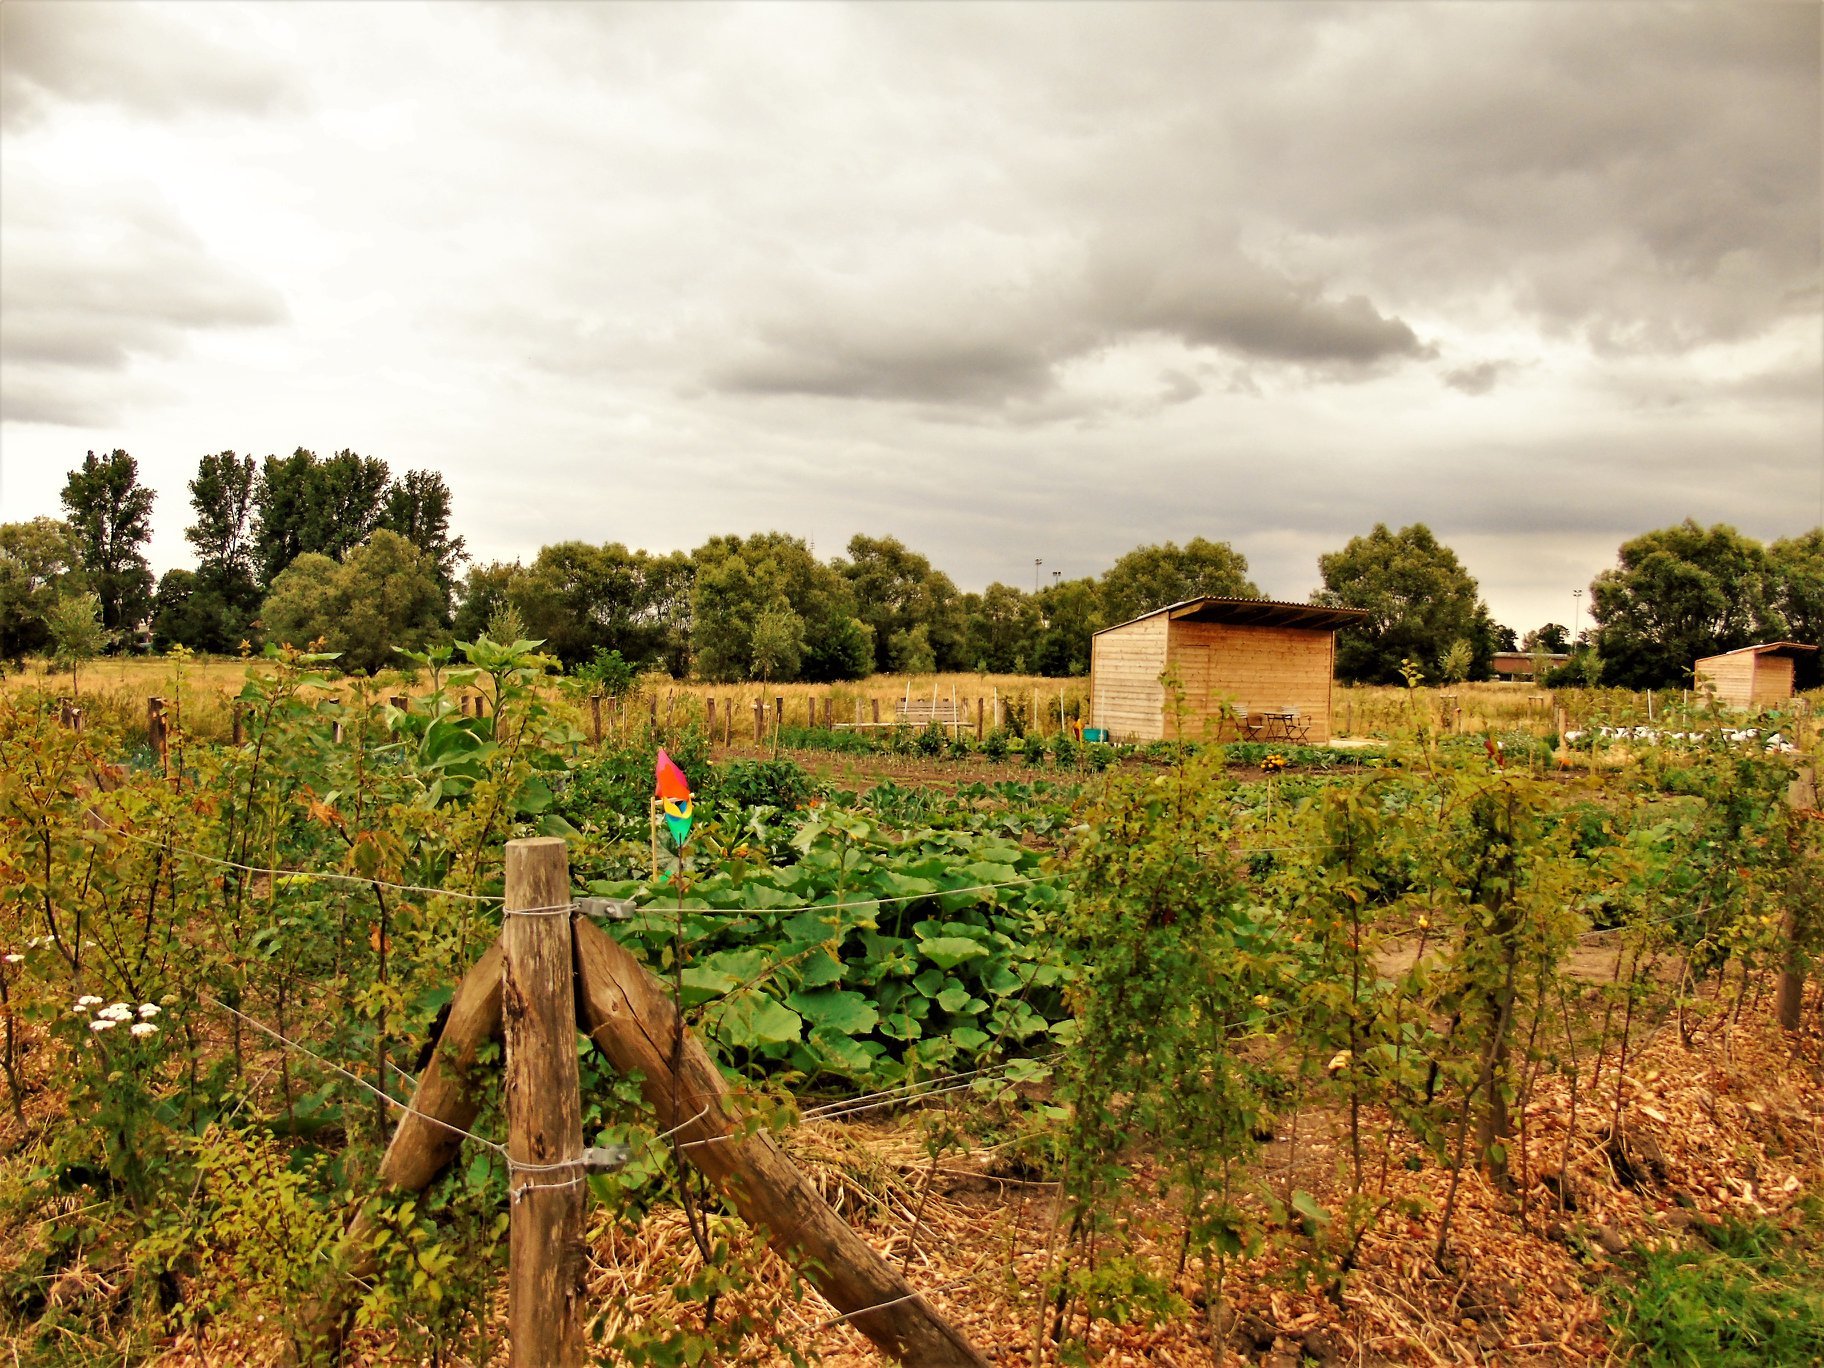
pixel 1756 1297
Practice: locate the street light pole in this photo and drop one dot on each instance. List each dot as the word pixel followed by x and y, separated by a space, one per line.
pixel 1576 615
pixel 1037 561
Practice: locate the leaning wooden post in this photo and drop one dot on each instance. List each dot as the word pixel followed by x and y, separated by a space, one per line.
pixel 544 1110
pixel 1789 997
pixel 158 734
pixel 443 1106
pixel 631 1018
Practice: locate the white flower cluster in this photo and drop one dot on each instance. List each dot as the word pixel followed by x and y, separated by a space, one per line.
pixel 116 1014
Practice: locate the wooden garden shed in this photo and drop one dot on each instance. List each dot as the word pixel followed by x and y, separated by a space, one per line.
pixel 1256 656
pixel 1753 676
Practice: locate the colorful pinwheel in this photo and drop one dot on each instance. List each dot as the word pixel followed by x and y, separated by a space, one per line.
pixel 673 793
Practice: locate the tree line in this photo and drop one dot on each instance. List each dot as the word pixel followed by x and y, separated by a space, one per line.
pixel 337 549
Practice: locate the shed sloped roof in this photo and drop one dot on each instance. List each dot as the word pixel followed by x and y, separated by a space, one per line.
pixel 1766 648
pixel 1247 612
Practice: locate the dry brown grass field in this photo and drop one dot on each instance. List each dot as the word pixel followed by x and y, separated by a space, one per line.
pixel 117 687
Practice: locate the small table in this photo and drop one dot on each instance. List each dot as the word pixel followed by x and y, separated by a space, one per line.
pixel 1283 725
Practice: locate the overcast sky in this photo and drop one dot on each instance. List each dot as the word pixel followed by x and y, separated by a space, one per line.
pixel 1007 282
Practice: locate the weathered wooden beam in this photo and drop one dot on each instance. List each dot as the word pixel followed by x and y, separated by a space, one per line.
pixel 631 1018
pixel 443 1106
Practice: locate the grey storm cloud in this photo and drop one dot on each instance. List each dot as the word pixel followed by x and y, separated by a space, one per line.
pixel 938 341
pixel 127 55
pixel 1477 379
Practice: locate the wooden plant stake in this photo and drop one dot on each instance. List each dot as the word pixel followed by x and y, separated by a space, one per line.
pixel 1789 996
pixel 631 1018
pixel 544 1110
pixel 158 730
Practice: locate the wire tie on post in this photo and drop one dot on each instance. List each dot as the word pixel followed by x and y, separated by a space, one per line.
pixel 555 910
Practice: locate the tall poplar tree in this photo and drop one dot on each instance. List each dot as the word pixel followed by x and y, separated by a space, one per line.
pixel 111 514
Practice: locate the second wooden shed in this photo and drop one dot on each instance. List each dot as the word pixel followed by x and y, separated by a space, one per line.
pixel 1254 655
pixel 1752 677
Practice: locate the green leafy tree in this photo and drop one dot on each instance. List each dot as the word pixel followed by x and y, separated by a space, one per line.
pixel 579 598
pixel 740 578
pixel 383 600
pixel 302 607
pixel 111 513
pixel 351 497
pixel 1004 624
pixel 481 595
pixel 1554 637
pixel 1150 577
pixel 909 651
pixel 1419 599
pixel 328 506
pixel 215 612
pixel 897 592
pixel 778 643
pixel 77 634
pixel 1795 573
pixel 1676 595
pixel 1453 665
pixel 190 610
pixel 417 507
pixel 38 560
pixel 1072 611
pixel 284 521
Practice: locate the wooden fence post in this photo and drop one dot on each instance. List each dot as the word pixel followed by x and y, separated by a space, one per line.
pixel 709 718
pixel 544 1110
pixel 759 721
pixel 979 716
pixel 728 723
pixel 157 729
pixel 1789 996
pixel 778 710
pixel 828 703
pixel 876 703
pixel 652 713
pixel 595 718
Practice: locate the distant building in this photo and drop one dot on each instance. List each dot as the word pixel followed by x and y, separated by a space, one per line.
pixel 1752 677
pixel 1511 665
pixel 1252 656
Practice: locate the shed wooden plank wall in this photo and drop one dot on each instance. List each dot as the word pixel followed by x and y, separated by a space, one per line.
pixel 1126 697
pixel 1732 676
pixel 1254 668
pixel 1772 679
pixel 1746 680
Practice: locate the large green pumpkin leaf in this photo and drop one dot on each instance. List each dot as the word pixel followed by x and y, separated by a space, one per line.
pixel 946 952
pixel 836 1009
pixel 754 1021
